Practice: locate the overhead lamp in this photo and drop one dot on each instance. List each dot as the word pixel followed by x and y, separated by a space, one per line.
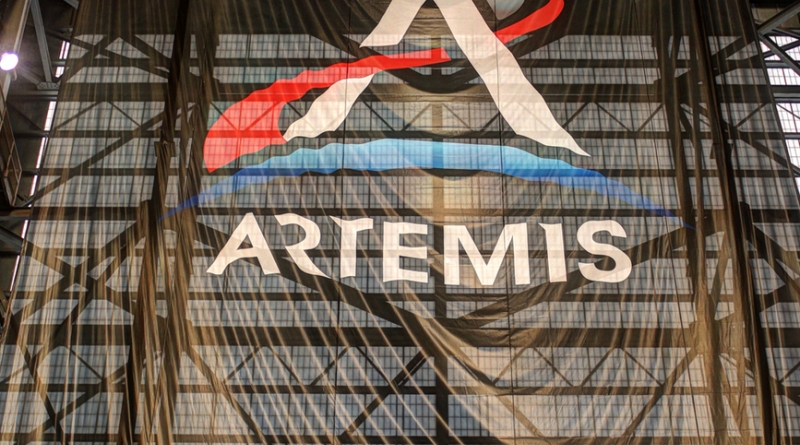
pixel 9 61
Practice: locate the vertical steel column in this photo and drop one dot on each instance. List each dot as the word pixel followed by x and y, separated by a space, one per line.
pixel 41 38
pixel 144 336
pixel 706 340
pixel 734 227
pixel 441 359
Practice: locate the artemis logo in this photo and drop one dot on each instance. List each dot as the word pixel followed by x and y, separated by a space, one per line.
pixel 251 125
pixel 456 239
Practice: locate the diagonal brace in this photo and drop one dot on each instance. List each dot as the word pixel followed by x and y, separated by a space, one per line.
pixel 41 38
pixel 778 19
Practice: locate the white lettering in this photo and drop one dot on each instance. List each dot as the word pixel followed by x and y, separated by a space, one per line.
pixel 311 241
pixel 487 272
pixel 556 258
pixel 456 239
pixel 347 246
pixel 622 267
pixel 392 251
pixel 247 229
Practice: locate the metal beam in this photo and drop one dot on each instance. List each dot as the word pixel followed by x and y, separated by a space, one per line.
pixel 785 33
pixel 10 238
pixel 15 215
pixel 160 387
pixel 34 94
pixel 778 51
pixel 792 45
pixel 786 94
pixel 41 37
pixel 735 230
pixel 778 19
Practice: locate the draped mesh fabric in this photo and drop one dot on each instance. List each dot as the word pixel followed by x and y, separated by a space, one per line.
pixel 409 222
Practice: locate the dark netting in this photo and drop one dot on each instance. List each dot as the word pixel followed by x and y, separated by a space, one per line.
pixel 409 222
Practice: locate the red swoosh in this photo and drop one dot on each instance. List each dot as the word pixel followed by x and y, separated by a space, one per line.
pixel 538 19
pixel 251 124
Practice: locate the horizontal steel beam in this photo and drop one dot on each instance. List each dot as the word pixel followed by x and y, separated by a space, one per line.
pixel 789 94
pixel 269 437
pixel 459 389
pixel 221 336
pixel 33 94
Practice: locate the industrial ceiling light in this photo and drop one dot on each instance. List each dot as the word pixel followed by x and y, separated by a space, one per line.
pixel 8 61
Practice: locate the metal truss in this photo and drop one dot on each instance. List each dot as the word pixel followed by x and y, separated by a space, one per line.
pixel 769 31
pixel 160 341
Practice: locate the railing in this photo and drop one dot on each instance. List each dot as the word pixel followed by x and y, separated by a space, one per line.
pixel 10 167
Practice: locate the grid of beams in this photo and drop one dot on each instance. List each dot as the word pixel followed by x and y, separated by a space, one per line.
pixel 115 305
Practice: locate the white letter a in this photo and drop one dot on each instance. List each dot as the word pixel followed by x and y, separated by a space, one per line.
pixel 248 229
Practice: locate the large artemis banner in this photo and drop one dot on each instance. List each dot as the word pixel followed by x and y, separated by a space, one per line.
pixel 409 222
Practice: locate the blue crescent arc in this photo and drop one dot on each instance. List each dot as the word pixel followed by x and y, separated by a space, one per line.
pixel 393 154
pixel 236 133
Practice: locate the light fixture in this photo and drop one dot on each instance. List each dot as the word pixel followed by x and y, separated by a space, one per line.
pixel 8 61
